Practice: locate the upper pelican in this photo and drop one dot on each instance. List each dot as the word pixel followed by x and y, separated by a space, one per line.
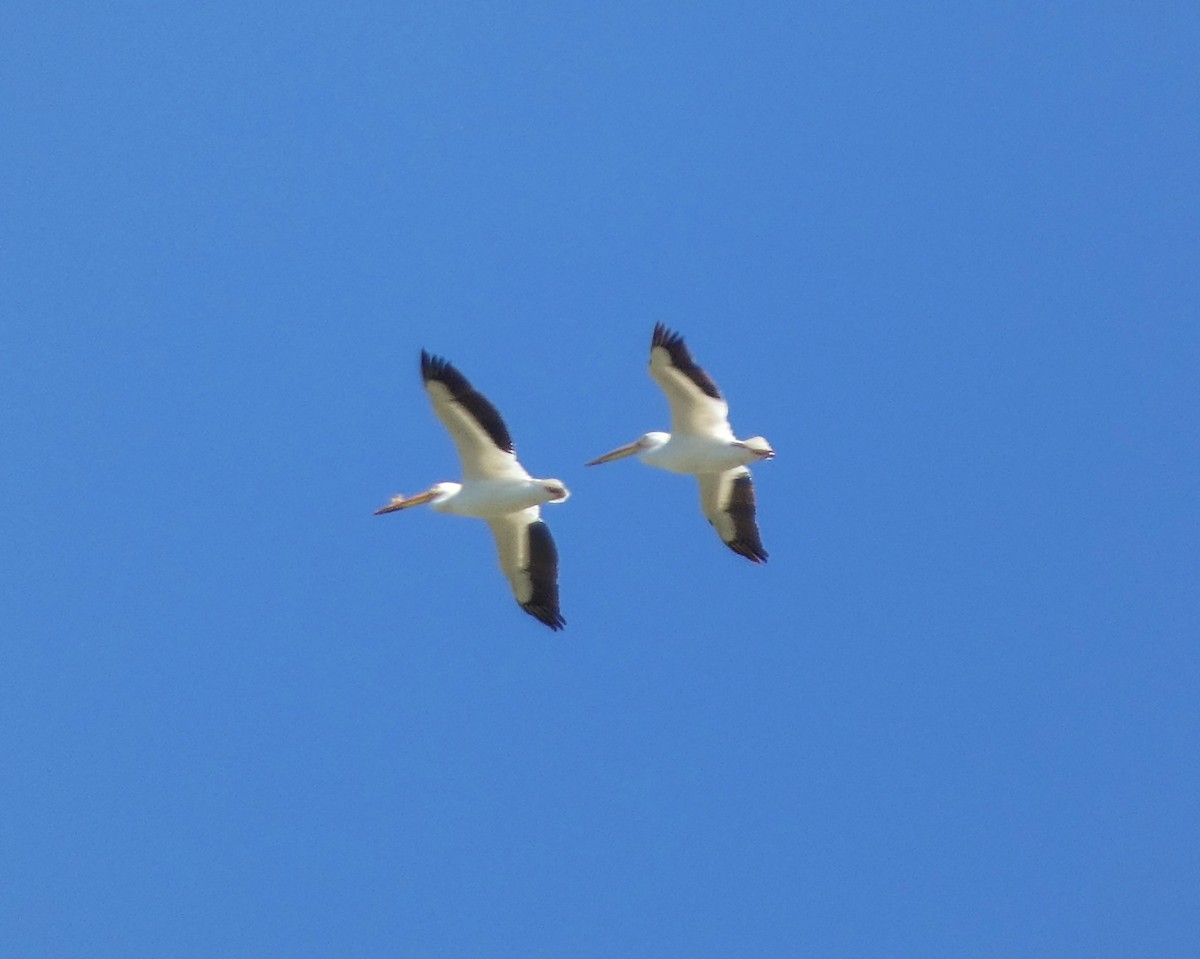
pixel 495 487
pixel 702 443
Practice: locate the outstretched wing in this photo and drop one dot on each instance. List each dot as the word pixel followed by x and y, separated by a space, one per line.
pixel 727 499
pixel 697 406
pixel 529 559
pixel 484 445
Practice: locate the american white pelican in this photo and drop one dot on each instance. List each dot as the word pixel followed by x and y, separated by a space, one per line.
pixel 495 487
pixel 701 443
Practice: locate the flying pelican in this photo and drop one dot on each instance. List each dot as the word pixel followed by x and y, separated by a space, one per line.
pixel 702 443
pixel 495 487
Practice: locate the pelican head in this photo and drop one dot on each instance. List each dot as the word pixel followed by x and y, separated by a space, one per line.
pixel 757 445
pixel 651 441
pixel 556 489
pixel 437 494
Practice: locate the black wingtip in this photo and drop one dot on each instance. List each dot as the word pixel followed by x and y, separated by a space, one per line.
pixel 667 338
pixel 544 614
pixel 682 360
pixel 751 551
pixel 542 566
pixel 437 368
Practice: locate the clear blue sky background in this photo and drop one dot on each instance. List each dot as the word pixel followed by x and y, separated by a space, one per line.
pixel 946 256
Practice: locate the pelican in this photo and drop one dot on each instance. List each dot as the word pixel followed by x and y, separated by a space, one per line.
pixel 701 443
pixel 495 487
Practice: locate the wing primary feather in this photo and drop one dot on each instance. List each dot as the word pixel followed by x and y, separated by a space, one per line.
pixel 542 568
pixel 746 541
pixel 436 369
pixel 681 359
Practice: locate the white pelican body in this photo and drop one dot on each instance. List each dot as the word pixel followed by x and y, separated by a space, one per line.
pixel 691 454
pixel 701 443
pixel 495 487
pixel 486 499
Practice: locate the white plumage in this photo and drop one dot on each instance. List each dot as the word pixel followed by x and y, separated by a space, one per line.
pixel 701 443
pixel 496 488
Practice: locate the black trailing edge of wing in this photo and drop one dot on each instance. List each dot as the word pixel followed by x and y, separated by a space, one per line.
pixel 436 369
pixel 681 359
pixel 543 575
pixel 746 541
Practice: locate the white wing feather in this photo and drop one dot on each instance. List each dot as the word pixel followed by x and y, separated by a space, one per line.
pixel 693 412
pixel 511 548
pixel 481 457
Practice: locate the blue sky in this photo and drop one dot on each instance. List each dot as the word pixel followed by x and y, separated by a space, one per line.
pixel 943 255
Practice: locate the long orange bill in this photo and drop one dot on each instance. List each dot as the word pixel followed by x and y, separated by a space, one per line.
pixel 400 502
pixel 616 454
